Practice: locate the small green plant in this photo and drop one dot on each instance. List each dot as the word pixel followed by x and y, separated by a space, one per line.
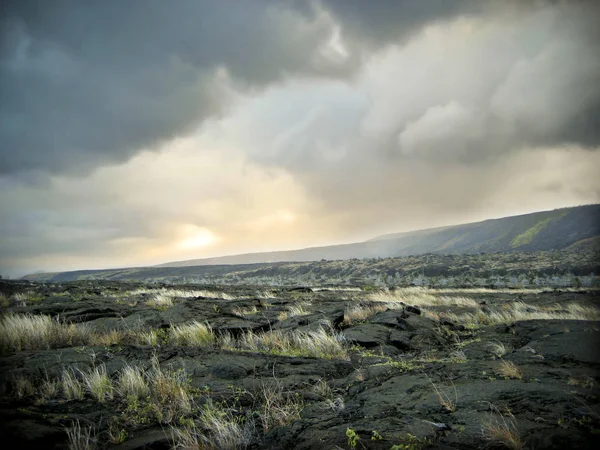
pixel 352 438
pixel 375 436
pixel 116 434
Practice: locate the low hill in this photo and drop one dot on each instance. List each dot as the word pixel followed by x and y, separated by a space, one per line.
pixel 543 268
pixel 560 241
pixel 547 230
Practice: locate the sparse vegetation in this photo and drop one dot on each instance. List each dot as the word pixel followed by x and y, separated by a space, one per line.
pixel 71 385
pixel 217 428
pixel 278 407
pixel 32 332
pixel 165 296
pixel 421 297
pixel 81 438
pixel 358 313
pixel 194 334
pixel 498 349
pixel 207 387
pixel 132 383
pixel 99 384
pixel 298 309
pixel 501 431
pixel 508 369
pixel 447 401
pixel 516 312
pixel 319 344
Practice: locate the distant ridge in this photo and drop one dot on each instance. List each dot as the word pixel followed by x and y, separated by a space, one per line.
pixel 546 230
pixel 575 232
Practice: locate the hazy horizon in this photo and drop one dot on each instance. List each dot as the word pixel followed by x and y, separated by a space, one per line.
pixel 138 133
pixel 58 270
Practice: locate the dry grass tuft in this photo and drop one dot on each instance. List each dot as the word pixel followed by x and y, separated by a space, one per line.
pixel 132 383
pixel 165 297
pixel 422 297
pixel 502 432
pixel 295 310
pixel 161 300
pixel 518 311
pixel 80 438
pixel 319 344
pixel 446 401
pixel 33 332
pixel 49 389
pixel 71 385
pixel 193 334
pixel 112 337
pixel 359 313
pixel 23 387
pixel 498 349
pixel 509 369
pixel 279 407
pixel 223 430
pixel 171 390
pixel 99 383
pixel 241 312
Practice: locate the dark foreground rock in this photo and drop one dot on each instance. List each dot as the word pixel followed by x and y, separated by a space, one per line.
pixel 408 379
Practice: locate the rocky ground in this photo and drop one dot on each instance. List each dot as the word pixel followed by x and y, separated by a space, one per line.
pixel 284 368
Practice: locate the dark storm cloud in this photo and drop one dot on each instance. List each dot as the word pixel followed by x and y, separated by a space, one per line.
pixel 88 82
pixel 378 22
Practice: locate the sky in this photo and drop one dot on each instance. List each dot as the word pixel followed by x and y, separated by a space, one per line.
pixel 141 132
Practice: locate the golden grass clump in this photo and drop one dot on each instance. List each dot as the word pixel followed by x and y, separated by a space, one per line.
pixel 171 391
pixel 359 313
pixel 278 407
pixel 518 311
pixel 319 344
pixel 99 384
pixel 241 312
pixel 164 297
pixel 33 332
pixel 508 369
pixel 193 334
pixel 500 431
pixel 295 310
pixel 422 297
pixel 498 349
pixel 132 383
pixel 224 430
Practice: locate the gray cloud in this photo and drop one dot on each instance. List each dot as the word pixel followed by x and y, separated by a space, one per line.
pixel 84 83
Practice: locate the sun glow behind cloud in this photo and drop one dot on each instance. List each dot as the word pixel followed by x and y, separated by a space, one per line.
pixel 196 238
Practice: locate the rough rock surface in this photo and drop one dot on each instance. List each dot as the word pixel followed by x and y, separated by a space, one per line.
pixel 406 373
